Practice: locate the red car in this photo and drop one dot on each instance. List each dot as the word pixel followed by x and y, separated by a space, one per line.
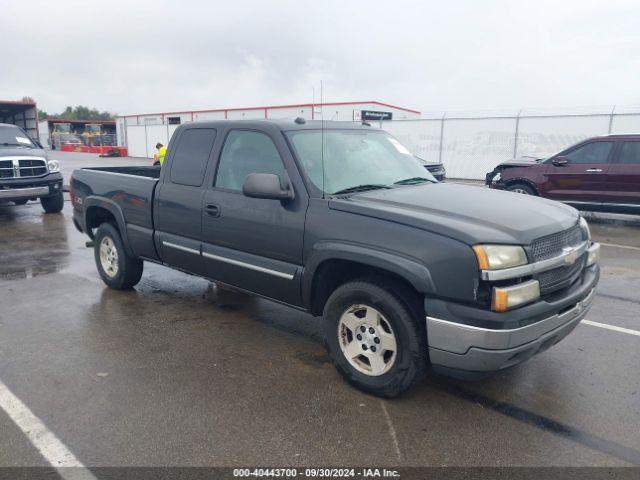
pixel 597 174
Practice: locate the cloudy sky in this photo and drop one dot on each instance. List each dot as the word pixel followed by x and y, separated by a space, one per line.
pixel 159 55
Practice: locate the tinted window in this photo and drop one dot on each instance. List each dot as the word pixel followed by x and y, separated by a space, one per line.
pixel 190 160
pixel 247 152
pixel 594 152
pixel 630 153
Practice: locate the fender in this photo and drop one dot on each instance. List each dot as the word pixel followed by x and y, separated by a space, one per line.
pixel 115 210
pixel 411 270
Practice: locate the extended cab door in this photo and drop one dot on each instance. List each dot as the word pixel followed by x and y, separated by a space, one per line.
pixel 179 200
pixel 252 243
pixel 623 182
pixel 583 177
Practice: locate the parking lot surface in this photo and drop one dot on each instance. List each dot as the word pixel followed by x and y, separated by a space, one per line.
pixel 182 372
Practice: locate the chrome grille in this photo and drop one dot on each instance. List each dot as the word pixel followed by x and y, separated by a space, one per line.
pixel 23 167
pixel 552 245
pixel 32 168
pixel 6 169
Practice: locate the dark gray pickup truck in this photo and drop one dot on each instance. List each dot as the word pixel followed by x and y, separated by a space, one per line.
pixel 25 171
pixel 341 221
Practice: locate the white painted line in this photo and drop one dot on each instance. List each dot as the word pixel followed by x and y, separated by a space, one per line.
pixel 612 327
pixel 392 431
pixel 45 441
pixel 615 245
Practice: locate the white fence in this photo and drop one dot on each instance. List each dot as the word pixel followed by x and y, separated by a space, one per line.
pixel 142 139
pixel 469 146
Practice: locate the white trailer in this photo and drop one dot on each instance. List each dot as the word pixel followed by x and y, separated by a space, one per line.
pixel 22 114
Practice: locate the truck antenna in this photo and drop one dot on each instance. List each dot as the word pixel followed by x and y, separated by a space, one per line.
pixel 322 134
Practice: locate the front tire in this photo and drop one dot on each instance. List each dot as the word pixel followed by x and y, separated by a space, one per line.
pixel 522 188
pixel 53 204
pixel 374 339
pixel 116 268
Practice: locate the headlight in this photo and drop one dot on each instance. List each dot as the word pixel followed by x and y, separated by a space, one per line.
pixel 54 166
pixel 585 227
pixel 504 298
pixel 496 257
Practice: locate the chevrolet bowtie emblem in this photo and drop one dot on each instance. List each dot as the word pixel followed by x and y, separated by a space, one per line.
pixel 571 255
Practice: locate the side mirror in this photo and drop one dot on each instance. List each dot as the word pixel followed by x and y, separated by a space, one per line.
pixel 561 161
pixel 267 186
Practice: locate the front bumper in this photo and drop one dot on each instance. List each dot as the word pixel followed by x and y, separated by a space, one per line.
pixel 466 350
pixel 33 187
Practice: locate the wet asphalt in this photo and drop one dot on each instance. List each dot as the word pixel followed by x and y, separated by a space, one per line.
pixel 181 372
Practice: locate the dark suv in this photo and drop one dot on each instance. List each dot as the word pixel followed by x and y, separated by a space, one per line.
pixel 598 174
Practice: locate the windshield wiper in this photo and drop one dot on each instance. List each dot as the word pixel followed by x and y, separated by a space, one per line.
pixel 361 188
pixel 413 181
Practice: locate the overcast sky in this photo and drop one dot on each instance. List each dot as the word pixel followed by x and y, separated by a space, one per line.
pixel 148 56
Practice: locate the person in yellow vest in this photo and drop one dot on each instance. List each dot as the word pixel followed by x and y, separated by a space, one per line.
pixel 159 156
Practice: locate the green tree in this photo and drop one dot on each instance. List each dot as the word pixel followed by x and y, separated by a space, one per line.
pixel 82 112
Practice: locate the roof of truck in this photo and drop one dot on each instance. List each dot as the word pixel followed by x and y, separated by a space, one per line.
pixel 621 135
pixel 282 124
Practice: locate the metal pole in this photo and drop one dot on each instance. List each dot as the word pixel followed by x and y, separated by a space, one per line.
pixel 611 119
pixel 515 138
pixel 441 137
pixel 146 142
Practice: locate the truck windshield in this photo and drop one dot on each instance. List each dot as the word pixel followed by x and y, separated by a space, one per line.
pixel 356 160
pixel 11 136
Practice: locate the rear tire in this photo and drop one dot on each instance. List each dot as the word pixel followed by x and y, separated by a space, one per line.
pixel 521 188
pixel 366 313
pixel 116 268
pixel 53 204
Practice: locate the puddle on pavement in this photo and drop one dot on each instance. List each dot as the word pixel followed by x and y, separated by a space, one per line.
pixel 31 243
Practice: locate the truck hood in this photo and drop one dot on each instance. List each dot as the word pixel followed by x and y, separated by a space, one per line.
pixel 470 214
pixel 520 162
pixel 21 152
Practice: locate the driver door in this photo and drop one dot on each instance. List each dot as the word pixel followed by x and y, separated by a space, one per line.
pixel 253 243
pixel 584 175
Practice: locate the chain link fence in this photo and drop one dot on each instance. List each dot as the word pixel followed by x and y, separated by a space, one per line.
pixel 470 145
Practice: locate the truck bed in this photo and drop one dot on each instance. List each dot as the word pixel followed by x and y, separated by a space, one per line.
pixel 130 191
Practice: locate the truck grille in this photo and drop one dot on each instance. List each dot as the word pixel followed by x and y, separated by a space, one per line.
pixel 23 168
pixel 551 246
pixel 560 277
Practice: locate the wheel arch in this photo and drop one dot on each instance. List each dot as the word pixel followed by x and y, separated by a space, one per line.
pixel 334 265
pixel 100 210
pixel 525 181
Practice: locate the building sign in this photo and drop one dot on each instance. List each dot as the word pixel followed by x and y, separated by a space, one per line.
pixel 374 115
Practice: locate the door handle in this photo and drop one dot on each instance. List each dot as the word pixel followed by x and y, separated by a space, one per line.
pixel 595 170
pixel 213 210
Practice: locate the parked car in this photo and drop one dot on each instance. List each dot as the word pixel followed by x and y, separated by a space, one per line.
pixel 436 169
pixel 70 139
pixel 25 171
pixel 406 272
pixel 598 174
